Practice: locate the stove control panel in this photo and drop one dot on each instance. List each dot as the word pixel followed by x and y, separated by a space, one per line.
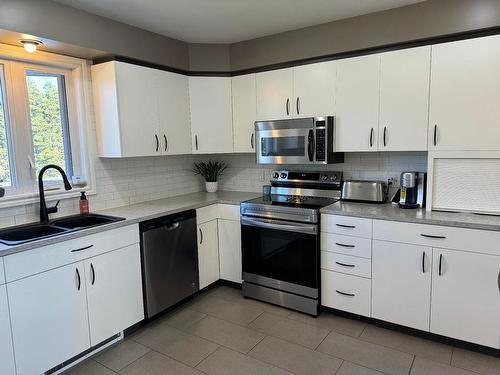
pixel 304 177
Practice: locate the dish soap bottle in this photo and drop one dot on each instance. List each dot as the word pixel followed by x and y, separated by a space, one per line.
pixel 84 204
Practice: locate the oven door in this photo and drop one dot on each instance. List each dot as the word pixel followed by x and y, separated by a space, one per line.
pixel 281 254
pixel 285 146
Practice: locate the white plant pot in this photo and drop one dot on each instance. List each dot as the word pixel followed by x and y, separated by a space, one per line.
pixel 211 186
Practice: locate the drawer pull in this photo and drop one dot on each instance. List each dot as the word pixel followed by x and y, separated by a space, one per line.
pixel 81 249
pixel 432 236
pixel 344 245
pixel 345 264
pixel 346 294
pixel 346 226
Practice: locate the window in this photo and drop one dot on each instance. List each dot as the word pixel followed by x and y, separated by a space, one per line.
pixel 42 121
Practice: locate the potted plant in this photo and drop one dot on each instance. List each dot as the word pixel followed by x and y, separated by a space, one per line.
pixel 210 171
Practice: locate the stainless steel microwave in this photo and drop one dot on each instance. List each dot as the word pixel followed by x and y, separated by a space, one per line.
pixel 308 140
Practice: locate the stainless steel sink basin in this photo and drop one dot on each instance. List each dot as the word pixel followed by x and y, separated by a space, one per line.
pixel 31 232
pixel 84 221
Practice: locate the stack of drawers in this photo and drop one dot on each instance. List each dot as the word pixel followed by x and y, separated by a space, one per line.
pixel 346 252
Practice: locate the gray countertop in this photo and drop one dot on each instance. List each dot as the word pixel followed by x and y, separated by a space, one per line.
pixel 388 211
pixel 140 212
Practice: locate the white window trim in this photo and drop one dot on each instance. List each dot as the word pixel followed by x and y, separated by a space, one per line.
pixel 79 100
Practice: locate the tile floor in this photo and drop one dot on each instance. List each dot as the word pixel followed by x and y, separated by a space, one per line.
pixel 219 332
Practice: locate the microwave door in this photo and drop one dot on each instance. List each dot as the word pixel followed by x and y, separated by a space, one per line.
pixel 285 146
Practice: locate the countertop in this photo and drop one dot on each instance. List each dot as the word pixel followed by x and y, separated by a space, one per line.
pixel 391 212
pixel 140 212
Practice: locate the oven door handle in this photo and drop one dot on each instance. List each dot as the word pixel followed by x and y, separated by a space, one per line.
pixel 280 225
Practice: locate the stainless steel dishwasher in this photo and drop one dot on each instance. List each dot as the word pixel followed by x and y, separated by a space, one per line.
pixel 169 260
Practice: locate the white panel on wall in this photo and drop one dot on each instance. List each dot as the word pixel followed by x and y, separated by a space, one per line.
pixel 471 184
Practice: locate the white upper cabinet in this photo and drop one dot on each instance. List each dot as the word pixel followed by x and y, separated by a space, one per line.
pixel 404 99
pixel 357 103
pixel 401 283
pixel 173 107
pixel 275 94
pixel 137 107
pixel 466 296
pixel 314 89
pixel 211 115
pixel 244 97
pixel 465 92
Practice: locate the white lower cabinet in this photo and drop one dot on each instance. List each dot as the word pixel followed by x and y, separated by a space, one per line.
pixel 466 296
pixel 401 283
pixel 114 292
pixel 208 253
pixel 49 318
pixel 230 250
pixel 7 366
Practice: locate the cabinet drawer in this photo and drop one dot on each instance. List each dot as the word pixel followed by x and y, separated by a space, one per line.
pixel 229 212
pixel 346 264
pixel 351 226
pixel 345 292
pixel 349 245
pixel 2 273
pixel 207 213
pixel 59 254
pixel 473 240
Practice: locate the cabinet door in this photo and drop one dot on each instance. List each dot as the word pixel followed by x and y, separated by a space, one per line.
pixel 114 292
pixel 230 250
pixel 357 103
pixel 6 352
pixel 244 112
pixel 401 283
pixel 208 253
pixel 173 107
pixel 466 296
pixel 274 94
pixel 465 91
pixel 138 110
pixel 211 117
pixel 49 318
pixel 404 99
pixel 314 89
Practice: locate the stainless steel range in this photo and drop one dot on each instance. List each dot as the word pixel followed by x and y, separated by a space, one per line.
pixel 281 242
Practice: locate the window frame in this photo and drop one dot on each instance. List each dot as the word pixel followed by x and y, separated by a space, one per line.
pixel 5 71
pixel 77 83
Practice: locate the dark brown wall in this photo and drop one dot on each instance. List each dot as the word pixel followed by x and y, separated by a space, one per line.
pixel 419 21
pixel 209 57
pixel 47 19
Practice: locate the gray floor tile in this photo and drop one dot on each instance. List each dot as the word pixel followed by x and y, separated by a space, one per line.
pixel 349 368
pixel 183 317
pixel 423 366
pixel 434 351
pixel 290 330
pixel 121 355
pixel 225 292
pixel 229 362
pixel 295 358
pixel 349 327
pixel 179 345
pixel 227 334
pixel 481 363
pixel 89 367
pixel 367 354
pixel 157 364
pixel 233 311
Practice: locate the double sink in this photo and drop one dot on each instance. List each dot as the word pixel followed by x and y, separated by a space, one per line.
pixel 31 232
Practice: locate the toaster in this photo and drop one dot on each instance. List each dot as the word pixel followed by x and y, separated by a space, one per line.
pixel 364 191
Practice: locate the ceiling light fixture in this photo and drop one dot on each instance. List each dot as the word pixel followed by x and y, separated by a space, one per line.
pixel 30 45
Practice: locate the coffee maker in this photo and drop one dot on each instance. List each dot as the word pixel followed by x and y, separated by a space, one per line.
pixel 412 191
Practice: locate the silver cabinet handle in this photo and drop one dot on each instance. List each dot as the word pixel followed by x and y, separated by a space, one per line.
pixel 92 274
pixel 78 281
pixel 297 105
pixel 81 248
pixel 280 225
pixel 346 294
pixel 201 236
